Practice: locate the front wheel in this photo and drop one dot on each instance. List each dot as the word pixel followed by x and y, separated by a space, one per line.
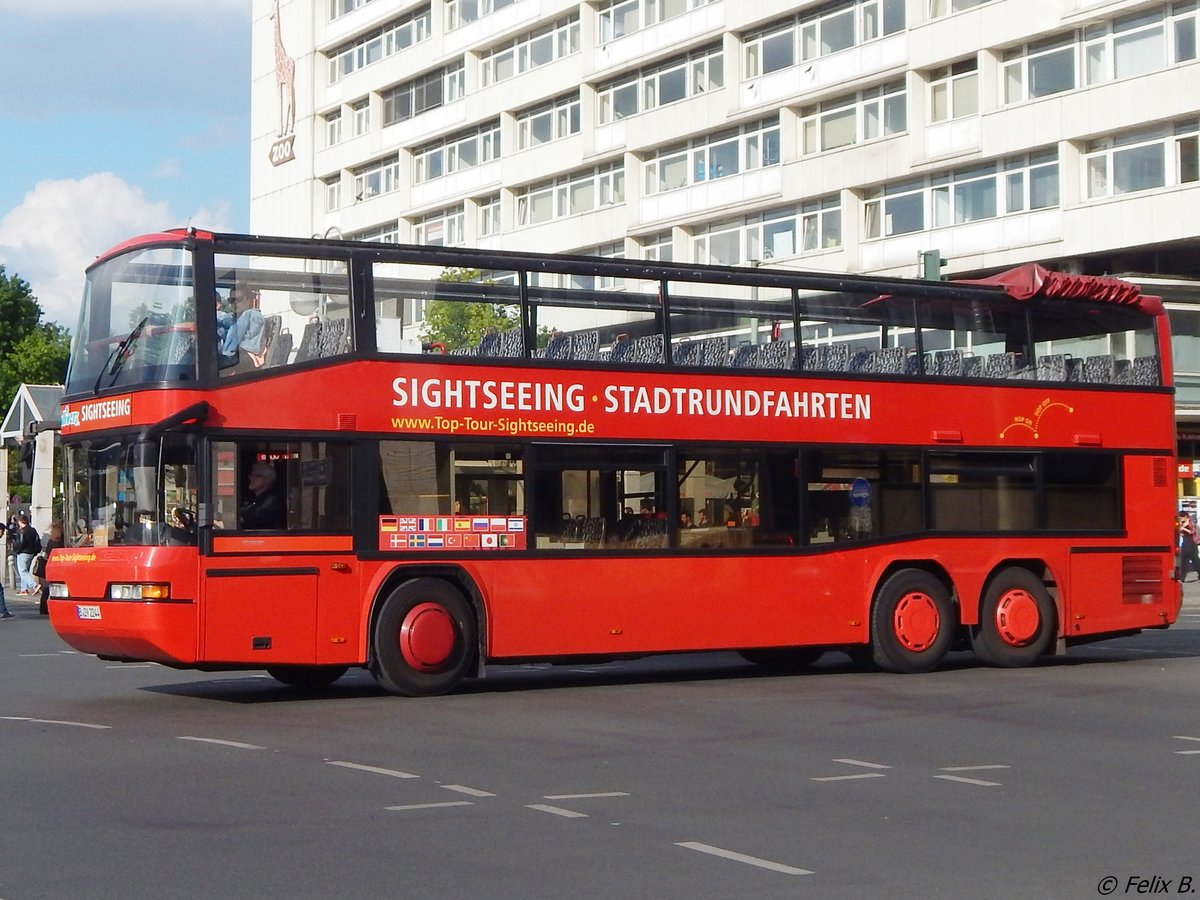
pixel 424 639
pixel 1016 621
pixel 912 622
pixel 307 677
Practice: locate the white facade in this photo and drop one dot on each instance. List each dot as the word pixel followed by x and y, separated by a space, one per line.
pixel 845 136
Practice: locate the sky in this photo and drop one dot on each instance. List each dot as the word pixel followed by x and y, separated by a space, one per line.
pixel 117 118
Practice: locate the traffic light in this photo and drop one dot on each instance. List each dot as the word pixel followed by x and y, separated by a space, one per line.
pixel 930 263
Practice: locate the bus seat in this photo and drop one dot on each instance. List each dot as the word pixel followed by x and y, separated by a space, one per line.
pixel 1145 370
pixel 511 343
pixel 333 338
pixel 648 350
pixel 1052 367
pixel 309 341
pixel 861 361
pixel 1123 371
pixel 559 347
pixel 685 353
pixel 890 360
pixel 714 352
pixel 1098 369
pixel 584 345
pixel 745 356
pixel 948 363
pixel 973 366
pixel 775 355
pixel 279 351
pixel 838 359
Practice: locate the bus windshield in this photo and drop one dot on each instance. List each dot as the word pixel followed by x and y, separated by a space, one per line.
pixel 137 322
pixel 139 493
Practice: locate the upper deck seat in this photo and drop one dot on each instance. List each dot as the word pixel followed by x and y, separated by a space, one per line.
pixel 838 359
pixel 1099 369
pixel 714 352
pixel 948 363
pixel 1052 367
pixel 862 361
pixel 648 350
pixel 559 347
pixel 310 340
pixel 584 345
pixel 685 353
pixel 621 348
pixel 890 360
pixel 775 355
pixel 279 351
pixel 1145 370
pixel 973 366
pixel 745 356
pixel 511 343
pixel 334 338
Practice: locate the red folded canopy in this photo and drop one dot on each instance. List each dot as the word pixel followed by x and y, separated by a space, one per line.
pixel 1034 280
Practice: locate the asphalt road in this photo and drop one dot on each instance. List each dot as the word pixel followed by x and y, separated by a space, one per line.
pixel 692 777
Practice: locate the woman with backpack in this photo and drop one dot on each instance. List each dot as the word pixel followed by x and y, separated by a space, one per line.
pixel 29 545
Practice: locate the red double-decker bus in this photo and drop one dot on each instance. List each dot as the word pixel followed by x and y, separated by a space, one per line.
pixel 310 455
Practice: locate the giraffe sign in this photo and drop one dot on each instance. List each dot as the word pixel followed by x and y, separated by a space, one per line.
pixel 285 80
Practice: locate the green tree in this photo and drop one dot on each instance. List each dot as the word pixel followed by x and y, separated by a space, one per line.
pixel 462 322
pixel 31 351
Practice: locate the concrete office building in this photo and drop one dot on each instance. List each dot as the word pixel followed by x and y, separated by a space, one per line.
pixel 841 136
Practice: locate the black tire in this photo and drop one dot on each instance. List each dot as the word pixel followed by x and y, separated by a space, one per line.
pixel 912 622
pixel 783 660
pixel 1017 621
pixel 424 639
pixel 307 677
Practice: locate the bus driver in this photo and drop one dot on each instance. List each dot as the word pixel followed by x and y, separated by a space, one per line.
pixel 262 508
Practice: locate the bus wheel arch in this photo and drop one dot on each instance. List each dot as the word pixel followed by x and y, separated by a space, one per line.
pixel 1018 617
pixel 424 636
pixel 914 618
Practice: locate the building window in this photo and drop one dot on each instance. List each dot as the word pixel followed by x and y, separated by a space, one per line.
pixel 728 153
pixel 429 91
pixel 1143 160
pixel 362 117
pixel 463 12
pixel 339 8
pixel 333 193
pixel 529 51
pixel 571 195
pixel 333 128
pixel 388 233
pixel 615 250
pixel 687 77
pixel 772 235
pixel 1013 185
pixel 808 37
pixel 489 216
pixel 381 177
pixel 549 122
pixel 443 228
pixel 1039 70
pixel 658 247
pixel 463 151
pixel 1129 45
pixel 954 91
pixel 379 44
pixel 854 119
pixel 623 17
pixel 939 8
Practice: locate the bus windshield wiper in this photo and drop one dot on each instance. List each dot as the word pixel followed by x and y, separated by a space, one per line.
pixel 119 355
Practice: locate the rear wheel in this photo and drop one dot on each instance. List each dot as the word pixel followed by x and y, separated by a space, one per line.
pixel 308 677
pixel 782 659
pixel 1016 620
pixel 912 622
pixel 424 640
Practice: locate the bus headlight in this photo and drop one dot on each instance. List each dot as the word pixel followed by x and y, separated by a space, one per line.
pixel 140 592
pixel 58 589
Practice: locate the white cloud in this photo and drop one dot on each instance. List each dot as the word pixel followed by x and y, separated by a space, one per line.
pixel 61 226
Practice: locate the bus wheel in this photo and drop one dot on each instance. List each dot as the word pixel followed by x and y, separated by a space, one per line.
pixel 424 640
pixel 1016 620
pixel 782 659
pixel 912 623
pixel 307 677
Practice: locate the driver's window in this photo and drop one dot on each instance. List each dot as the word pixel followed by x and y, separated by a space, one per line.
pixel 281 485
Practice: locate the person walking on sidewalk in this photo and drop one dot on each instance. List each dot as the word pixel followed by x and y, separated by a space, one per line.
pixel 29 545
pixel 1188 555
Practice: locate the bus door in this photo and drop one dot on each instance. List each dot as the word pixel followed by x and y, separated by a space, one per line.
pixel 281 580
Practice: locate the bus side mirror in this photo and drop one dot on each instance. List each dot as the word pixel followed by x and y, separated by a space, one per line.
pixel 145 475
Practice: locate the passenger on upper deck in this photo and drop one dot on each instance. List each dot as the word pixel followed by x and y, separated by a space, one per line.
pixel 247 334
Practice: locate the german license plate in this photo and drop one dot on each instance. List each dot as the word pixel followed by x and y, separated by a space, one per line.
pixel 87 612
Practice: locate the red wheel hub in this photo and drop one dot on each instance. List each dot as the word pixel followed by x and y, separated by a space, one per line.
pixel 1017 617
pixel 427 637
pixel 916 621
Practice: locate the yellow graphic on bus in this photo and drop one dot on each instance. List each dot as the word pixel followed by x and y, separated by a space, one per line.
pixel 1033 422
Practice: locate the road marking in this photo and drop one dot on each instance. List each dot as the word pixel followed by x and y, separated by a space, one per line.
pixel 55 722
pixel 236 744
pixel 557 811
pixel 430 805
pixel 851 777
pixel 1185 737
pixel 859 762
pixel 584 796
pixel 743 858
pixel 131 666
pixel 969 780
pixel 34 655
pixel 970 768
pixel 394 773
pixel 469 791
pixel 1187 752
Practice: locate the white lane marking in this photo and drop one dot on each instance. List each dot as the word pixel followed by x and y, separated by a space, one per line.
pixel 584 796
pixel 55 722
pixel 394 773
pixel 1187 752
pixel 859 762
pixel 743 858
pixel 970 768
pixel 968 780
pixel 557 811
pixel 469 791
pixel 851 777
pixel 1185 737
pixel 131 666
pixel 236 744
pixel 34 655
pixel 430 805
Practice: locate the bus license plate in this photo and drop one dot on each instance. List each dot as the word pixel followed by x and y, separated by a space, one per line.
pixel 87 612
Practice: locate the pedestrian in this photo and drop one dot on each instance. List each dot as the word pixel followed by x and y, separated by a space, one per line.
pixel 29 545
pixel 53 539
pixel 1188 555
